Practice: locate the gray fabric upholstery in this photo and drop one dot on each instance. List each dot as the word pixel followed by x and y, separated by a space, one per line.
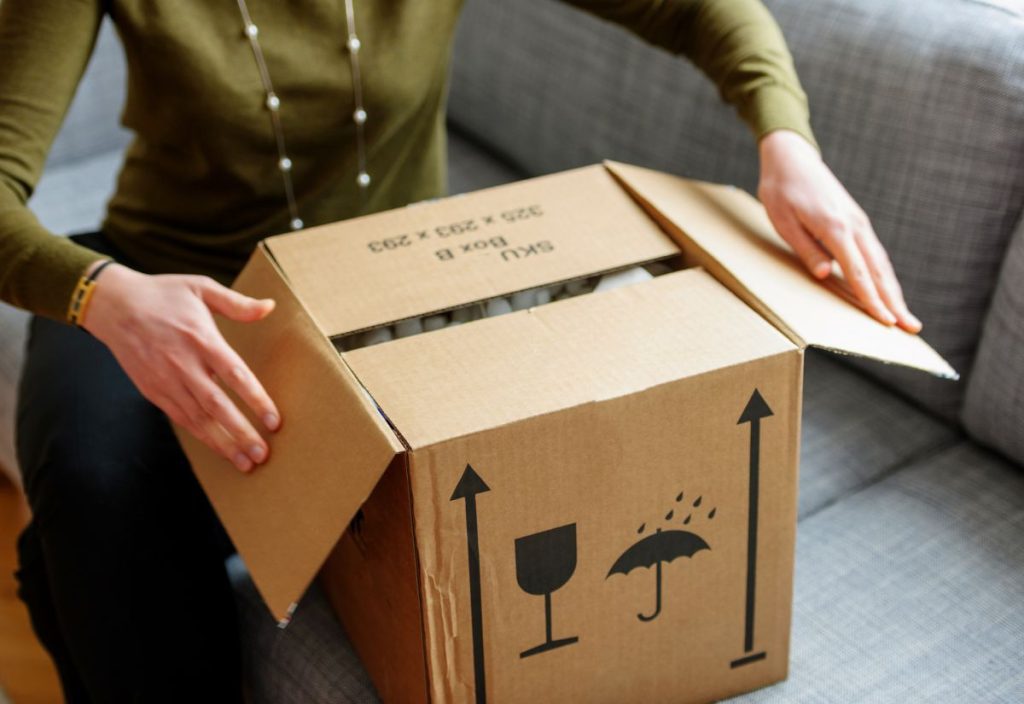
pixel 73 197
pixel 855 432
pixel 911 590
pixel 471 167
pixel 917 108
pixel 994 409
pixel 309 661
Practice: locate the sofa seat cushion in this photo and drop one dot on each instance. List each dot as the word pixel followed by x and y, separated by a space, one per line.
pixel 309 662
pixel 911 590
pixel 855 431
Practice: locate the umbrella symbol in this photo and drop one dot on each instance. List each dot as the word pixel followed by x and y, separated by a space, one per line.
pixel 662 546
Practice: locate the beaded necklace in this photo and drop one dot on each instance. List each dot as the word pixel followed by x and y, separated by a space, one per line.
pixel 273 105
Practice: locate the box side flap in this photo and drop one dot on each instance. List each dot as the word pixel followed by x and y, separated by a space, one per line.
pixel 728 232
pixel 441 254
pixel 492 372
pixel 333 445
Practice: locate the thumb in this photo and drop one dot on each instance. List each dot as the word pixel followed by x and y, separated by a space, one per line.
pixel 234 305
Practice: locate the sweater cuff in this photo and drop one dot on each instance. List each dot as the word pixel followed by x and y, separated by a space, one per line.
pixel 774 107
pixel 44 275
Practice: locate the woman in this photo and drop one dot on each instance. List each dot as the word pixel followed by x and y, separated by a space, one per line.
pixel 253 117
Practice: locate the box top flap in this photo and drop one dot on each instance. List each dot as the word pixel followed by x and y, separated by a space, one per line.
pixel 436 255
pixel 464 379
pixel 286 515
pixel 728 232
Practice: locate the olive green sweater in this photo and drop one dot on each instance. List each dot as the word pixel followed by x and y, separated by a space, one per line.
pixel 200 184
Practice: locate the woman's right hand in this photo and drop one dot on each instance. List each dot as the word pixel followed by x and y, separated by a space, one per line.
pixel 161 331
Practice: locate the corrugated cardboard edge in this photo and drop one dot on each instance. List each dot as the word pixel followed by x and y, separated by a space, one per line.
pixel 744 253
pixel 333 446
pixel 372 580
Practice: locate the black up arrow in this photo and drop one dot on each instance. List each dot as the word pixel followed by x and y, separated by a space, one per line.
pixel 468 487
pixel 756 410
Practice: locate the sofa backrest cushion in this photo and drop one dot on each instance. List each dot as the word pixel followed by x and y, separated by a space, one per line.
pixel 918 109
pixel 994 409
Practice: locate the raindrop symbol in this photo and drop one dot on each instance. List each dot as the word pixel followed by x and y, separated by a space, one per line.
pixel 712 514
pixel 668 516
pixel 680 497
pixel 686 521
pixel 697 502
pixel 644 525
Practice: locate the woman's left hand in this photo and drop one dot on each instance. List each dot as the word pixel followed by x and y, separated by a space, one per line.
pixel 819 219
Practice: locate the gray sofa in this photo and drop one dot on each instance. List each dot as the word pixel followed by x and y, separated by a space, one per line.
pixel 910 555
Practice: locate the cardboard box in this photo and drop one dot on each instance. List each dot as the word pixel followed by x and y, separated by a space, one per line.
pixel 591 500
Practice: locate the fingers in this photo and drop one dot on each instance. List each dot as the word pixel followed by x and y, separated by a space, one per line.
pixel 245 447
pixel 813 211
pixel 187 413
pixel 166 341
pixel 231 304
pixel 841 241
pixel 885 280
pixel 233 371
pixel 812 254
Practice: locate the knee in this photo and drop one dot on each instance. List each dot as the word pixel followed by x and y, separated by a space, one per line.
pixel 68 484
pixel 77 480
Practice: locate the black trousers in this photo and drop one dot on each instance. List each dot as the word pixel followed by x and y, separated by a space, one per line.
pixel 122 565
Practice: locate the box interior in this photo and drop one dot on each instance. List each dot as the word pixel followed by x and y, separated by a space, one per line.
pixel 550 292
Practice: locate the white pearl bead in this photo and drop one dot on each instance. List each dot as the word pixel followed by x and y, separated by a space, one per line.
pixel 252 31
pixel 297 224
pixel 359 116
pixel 273 102
pixel 363 179
pixel 354 43
pixel 285 164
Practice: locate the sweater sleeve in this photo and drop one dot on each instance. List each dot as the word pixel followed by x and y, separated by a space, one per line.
pixel 736 43
pixel 45 45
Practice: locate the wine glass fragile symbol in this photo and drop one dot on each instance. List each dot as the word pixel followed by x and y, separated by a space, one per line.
pixel 545 561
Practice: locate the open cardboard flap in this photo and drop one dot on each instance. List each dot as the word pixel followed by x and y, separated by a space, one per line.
pixel 727 231
pixel 436 255
pixel 286 515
